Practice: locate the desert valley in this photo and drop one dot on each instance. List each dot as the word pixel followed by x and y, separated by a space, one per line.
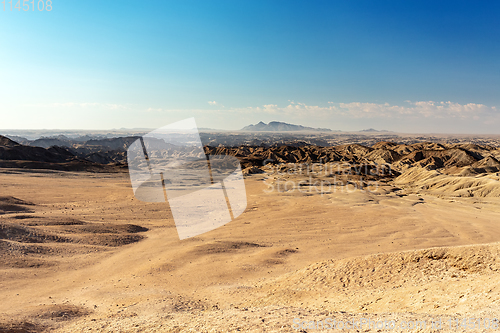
pixel 364 226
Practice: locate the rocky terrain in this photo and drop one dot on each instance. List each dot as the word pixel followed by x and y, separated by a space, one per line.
pixel 389 231
pixel 428 155
pixel 97 158
pixel 401 155
pixel 464 169
pixel 452 169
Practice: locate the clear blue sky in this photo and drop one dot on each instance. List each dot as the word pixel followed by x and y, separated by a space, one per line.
pixel 412 66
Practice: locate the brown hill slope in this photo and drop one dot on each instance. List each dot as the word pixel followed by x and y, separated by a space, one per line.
pixel 6 142
pixel 14 155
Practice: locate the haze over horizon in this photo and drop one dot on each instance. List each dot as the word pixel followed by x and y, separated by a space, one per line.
pixel 412 67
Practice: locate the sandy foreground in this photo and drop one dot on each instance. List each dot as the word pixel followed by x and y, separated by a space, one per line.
pixel 80 253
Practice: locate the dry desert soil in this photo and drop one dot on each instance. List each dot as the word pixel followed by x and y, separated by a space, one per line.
pixel 80 254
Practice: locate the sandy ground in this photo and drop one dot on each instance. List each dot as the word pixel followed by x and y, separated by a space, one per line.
pixel 345 255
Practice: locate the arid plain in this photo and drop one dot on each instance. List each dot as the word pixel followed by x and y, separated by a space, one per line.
pixel 80 253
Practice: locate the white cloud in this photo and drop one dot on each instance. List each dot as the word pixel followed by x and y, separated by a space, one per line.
pixel 352 110
pixel 356 110
pixel 214 103
pixel 409 115
pixel 154 110
pixel 450 109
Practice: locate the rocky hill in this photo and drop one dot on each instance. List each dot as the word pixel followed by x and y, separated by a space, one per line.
pixel 15 155
pixel 460 169
pixel 428 155
pixel 454 170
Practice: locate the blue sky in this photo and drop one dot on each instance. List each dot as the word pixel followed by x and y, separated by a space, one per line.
pixel 410 66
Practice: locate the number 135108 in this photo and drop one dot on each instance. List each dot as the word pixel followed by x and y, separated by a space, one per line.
pixel 27 5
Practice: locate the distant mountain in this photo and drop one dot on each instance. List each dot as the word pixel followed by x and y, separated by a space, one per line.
pixel 17 139
pixel 373 130
pixel 277 126
pixel 49 142
pixel 208 129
